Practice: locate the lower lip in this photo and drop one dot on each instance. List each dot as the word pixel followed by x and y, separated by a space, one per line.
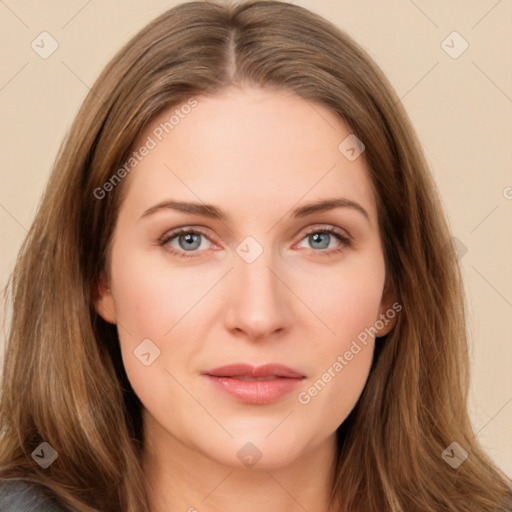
pixel 253 391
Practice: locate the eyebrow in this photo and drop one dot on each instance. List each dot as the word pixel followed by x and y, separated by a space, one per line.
pixel 213 212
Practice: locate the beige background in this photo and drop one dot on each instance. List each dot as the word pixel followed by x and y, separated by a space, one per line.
pixel 461 108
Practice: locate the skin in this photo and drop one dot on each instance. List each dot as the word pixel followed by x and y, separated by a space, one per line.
pixel 257 154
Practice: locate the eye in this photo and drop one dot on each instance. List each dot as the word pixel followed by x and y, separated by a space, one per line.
pixel 188 241
pixel 321 238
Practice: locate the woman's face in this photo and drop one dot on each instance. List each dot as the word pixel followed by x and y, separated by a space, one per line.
pixel 253 279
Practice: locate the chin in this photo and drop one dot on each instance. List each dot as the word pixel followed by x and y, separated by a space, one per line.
pixel 261 451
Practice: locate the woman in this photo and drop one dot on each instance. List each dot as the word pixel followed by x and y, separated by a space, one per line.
pixel 189 345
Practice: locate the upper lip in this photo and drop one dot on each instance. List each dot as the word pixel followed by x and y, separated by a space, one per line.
pixel 247 370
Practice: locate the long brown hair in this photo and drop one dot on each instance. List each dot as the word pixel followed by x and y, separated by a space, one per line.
pixel 63 378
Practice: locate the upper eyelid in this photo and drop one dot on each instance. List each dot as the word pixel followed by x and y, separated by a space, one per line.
pixel 173 233
pixel 321 227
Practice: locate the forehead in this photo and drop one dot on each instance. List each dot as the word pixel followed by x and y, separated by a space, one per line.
pixel 247 149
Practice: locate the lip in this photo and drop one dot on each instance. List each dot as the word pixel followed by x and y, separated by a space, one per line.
pixel 281 380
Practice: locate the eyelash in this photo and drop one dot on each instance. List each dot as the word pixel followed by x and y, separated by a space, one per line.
pixel 346 240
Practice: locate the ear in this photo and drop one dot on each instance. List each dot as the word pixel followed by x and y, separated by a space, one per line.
pixel 388 311
pixel 103 299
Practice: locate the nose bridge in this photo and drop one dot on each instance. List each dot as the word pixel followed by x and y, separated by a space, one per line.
pixel 257 302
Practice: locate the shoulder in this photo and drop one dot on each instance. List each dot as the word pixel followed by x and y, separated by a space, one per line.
pixel 17 495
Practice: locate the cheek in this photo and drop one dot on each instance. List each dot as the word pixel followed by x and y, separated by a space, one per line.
pixel 152 321
pixel 166 304
pixel 342 360
pixel 151 295
pixel 146 306
pixel 348 309
pixel 333 392
pixel 345 298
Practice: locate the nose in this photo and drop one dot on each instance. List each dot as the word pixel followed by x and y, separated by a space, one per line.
pixel 259 302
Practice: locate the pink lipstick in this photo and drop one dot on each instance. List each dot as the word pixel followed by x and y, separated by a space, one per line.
pixel 255 385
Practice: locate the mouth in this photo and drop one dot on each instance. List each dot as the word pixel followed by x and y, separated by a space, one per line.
pixel 255 385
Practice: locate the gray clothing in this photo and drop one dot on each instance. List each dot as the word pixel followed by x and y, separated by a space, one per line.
pixel 18 495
